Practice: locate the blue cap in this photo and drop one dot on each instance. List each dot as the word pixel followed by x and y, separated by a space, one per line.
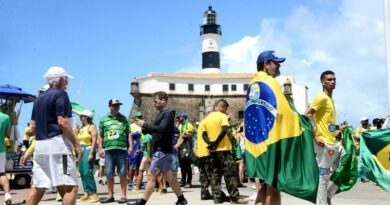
pixel 182 114
pixel 269 56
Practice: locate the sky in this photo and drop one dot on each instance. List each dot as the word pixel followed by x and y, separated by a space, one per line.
pixel 106 44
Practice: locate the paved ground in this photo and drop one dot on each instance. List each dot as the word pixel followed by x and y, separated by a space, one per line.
pixel 360 194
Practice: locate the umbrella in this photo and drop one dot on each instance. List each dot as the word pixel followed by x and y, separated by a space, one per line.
pixel 7 91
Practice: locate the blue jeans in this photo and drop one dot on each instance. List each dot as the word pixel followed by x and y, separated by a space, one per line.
pixel 115 158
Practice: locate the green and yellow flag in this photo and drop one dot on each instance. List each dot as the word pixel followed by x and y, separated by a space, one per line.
pixel 375 156
pixel 279 141
pixel 346 174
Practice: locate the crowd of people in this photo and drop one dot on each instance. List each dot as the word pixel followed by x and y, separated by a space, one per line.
pixel 161 147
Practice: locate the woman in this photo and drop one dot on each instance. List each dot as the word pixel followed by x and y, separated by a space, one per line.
pixel 87 138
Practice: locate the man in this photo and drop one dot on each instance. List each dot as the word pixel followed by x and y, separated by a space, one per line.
pixel 216 127
pixel 54 163
pixel 162 132
pixel 5 125
pixel 365 126
pixel 136 156
pixel 268 64
pixel 185 150
pixel 323 115
pixel 114 132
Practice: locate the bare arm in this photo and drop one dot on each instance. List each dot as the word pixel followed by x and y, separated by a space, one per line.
pixel 310 112
pixel 100 144
pixel 94 135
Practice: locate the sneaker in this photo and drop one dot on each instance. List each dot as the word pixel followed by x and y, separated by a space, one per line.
pixel 135 182
pixel 7 199
pixel 130 187
pixel 94 198
pixel 122 200
pixel 142 186
pixel 188 186
pixel 85 197
pixel 107 200
pixel 253 197
pixel 182 202
pixel 164 191
pixel 157 189
pixel 239 201
pixel 182 184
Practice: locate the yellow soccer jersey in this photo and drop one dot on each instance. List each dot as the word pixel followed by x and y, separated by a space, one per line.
pixel 325 116
pixel 213 126
pixel 202 150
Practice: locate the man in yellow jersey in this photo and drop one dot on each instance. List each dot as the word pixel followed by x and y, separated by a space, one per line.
pixel 185 150
pixel 323 115
pixel 216 127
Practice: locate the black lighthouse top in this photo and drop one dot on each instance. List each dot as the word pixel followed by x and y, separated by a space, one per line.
pixel 210 23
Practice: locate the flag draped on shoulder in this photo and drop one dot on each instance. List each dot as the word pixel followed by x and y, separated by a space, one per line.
pixel 346 174
pixel 375 156
pixel 279 141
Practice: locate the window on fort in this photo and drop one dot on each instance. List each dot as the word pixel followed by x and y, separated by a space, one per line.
pixel 190 87
pixel 171 86
pixel 246 87
pixel 206 87
pixel 240 114
pixel 234 87
pixel 225 88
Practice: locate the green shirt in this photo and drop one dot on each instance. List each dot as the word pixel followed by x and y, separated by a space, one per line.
pixel 5 123
pixel 147 138
pixel 115 131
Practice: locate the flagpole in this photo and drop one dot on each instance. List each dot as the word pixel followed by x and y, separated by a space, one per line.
pixel 386 4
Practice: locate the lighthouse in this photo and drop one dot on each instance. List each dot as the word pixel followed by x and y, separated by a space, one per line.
pixel 210 32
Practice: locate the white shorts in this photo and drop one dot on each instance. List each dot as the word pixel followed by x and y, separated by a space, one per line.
pixel 144 164
pixel 2 162
pixel 102 162
pixel 54 164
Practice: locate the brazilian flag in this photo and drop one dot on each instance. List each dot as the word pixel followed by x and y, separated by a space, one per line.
pixel 77 109
pixel 279 141
pixel 346 174
pixel 375 156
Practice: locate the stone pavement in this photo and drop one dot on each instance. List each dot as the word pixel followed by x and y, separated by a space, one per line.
pixel 360 194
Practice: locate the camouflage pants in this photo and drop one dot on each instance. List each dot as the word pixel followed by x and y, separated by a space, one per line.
pixel 222 164
pixel 204 176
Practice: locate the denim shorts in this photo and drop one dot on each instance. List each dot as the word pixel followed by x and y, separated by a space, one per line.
pixel 118 159
pixel 175 162
pixel 161 161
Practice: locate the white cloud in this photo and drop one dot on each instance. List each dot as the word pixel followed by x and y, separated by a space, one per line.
pixel 349 41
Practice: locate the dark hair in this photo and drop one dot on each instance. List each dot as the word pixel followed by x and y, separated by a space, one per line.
pixel 161 95
pixel 223 101
pixel 260 66
pixel 327 72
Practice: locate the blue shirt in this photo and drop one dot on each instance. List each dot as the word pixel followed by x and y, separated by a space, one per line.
pixel 50 104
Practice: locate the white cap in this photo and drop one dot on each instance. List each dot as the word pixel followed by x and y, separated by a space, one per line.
pixel 44 88
pixel 56 71
pixel 363 119
pixel 86 113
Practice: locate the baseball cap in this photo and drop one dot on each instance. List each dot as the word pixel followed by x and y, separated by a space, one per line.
pixel 55 72
pixel 137 114
pixel 114 101
pixel 269 56
pixel 86 113
pixel 44 88
pixel 182 114
pixel 363 119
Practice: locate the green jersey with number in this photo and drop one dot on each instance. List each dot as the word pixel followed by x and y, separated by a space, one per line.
pixel 5 123
pixel 115 130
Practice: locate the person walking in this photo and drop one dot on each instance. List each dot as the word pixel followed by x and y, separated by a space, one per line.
pixel 5 125
pixel 185 150
pixel 87 138
pixel 323 115
pixel 54 162
pixel 162 130
pixel 114 132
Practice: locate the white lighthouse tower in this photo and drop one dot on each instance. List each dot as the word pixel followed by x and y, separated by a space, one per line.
pixel 210 33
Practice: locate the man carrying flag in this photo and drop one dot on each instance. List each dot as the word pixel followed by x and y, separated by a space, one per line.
pixel 328 151
pixel 278 141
